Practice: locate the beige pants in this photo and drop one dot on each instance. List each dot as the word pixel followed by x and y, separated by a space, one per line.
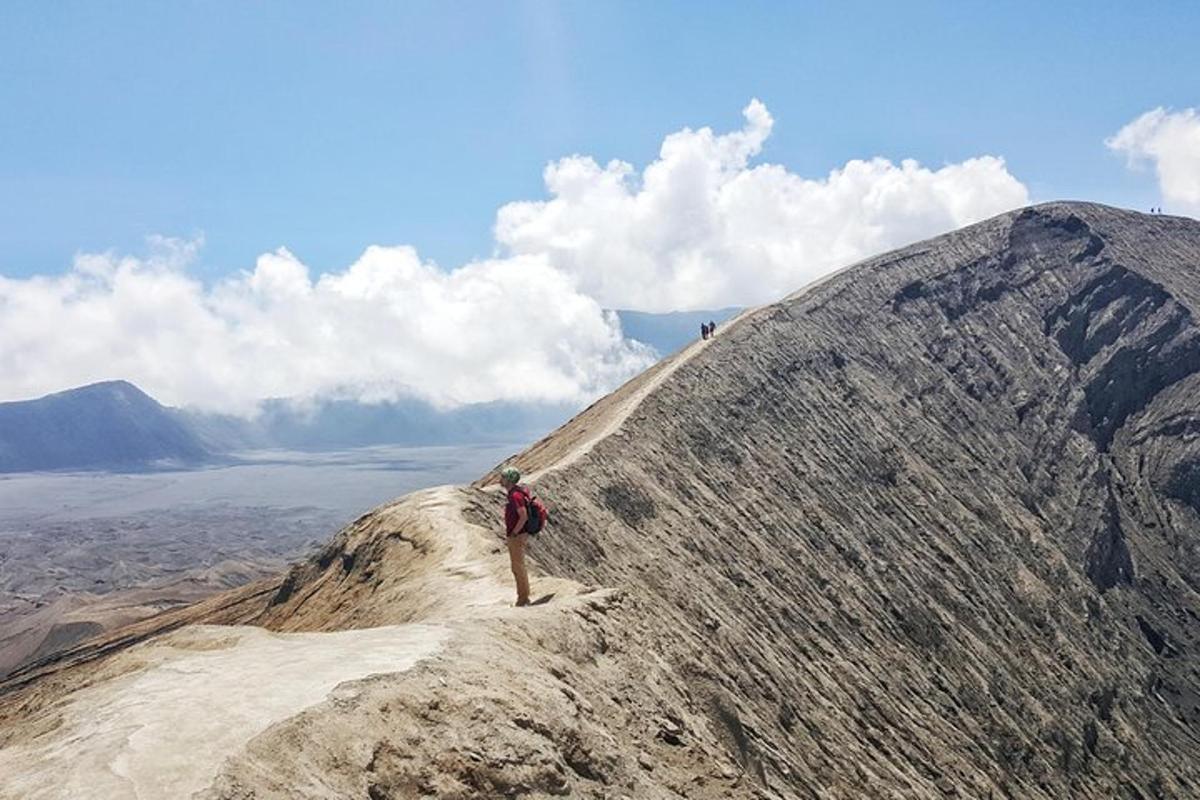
pixel 516 558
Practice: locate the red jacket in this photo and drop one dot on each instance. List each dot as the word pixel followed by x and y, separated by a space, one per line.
pixel 517 498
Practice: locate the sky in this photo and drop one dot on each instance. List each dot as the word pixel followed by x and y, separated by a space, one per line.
pixel 352 199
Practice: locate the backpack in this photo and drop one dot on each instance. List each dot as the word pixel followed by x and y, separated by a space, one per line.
pixel 535 509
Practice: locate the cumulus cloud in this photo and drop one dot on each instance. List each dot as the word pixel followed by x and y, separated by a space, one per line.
pixel 1170 139
pixel 702 227
pixel 388 326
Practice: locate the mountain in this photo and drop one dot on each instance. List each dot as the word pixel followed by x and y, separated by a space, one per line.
pixel 115 425
pixel 926 528
pixel 668 333
pixel 104 425
pixel 333 424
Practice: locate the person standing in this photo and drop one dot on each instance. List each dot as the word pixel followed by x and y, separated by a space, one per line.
pixel 516 514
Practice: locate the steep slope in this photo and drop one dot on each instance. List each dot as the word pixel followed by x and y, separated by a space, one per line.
pixel 111 424
pixel 935 521
pixel 928 528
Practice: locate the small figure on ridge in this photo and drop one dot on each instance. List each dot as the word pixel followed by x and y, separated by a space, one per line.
pixel 523 514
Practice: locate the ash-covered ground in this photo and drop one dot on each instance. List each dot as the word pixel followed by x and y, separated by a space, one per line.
pixel 82 552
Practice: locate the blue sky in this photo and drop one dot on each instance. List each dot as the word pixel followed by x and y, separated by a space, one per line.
pixel 225 202
pixel 327 128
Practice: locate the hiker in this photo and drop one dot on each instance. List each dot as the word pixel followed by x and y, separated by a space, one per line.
pixel 712 329
pixel 515 516
pixel 703 331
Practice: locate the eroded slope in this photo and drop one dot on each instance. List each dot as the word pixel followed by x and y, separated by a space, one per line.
pixel 926 529
pixel 932 526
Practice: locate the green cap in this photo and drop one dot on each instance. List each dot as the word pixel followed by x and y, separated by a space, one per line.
pixel 510 474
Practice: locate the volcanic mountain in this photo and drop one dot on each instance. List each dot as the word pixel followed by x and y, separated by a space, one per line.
pixel 926 528
pixel 111 424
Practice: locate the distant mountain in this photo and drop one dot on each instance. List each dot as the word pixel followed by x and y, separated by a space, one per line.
pixel 112 424
pixel 668 333
pixel 336 424
pixel 116 425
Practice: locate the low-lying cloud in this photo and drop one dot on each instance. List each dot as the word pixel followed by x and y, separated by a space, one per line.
pixel 1171 140
pixel 388 326
pixel 700 227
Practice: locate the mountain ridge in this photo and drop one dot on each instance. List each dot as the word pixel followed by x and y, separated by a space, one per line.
pixel 925 528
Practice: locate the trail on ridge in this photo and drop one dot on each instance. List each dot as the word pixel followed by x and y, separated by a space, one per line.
pixel 924 529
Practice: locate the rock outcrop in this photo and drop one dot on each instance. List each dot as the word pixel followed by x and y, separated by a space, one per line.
pixel 928 528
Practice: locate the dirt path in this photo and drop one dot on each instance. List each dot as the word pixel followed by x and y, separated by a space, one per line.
pixel 606 416
pixel 599 420
pixel 473 578
pixel 469 579
pixel 189 699
pixel 609 416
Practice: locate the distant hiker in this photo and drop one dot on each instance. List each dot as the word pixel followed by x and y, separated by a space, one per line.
pixel 523 514
pixel 712 329
pixel 703 331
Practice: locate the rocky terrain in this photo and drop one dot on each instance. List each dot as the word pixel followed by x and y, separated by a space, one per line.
pixel 64 580
pixel 82 553
pixel 927 528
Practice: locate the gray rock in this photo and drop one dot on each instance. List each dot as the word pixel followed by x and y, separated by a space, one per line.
pixel 930 500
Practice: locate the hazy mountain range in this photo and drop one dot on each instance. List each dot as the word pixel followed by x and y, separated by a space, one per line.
pixel 115 425
pixel 105 425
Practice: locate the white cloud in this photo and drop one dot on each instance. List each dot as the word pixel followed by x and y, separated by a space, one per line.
pixel 1171 139
pixel 701 227
pixel 388 326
